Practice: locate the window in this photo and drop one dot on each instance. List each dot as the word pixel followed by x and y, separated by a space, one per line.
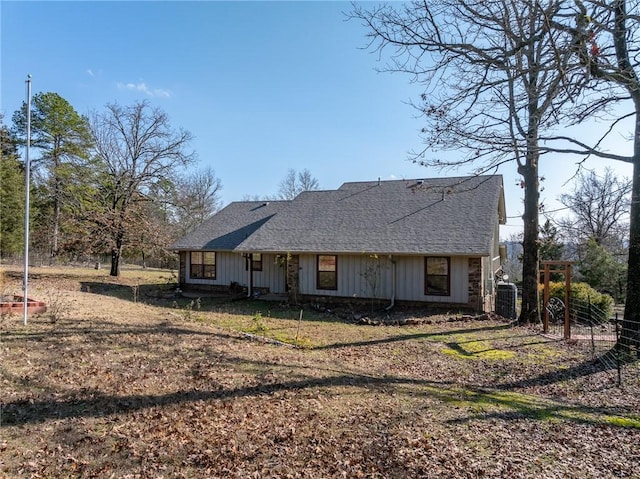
pixel 253 259
pixel 256 262
pixel 203 264
pixel 437 278
pixel 327 269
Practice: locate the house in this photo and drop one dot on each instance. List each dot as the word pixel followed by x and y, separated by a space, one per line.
pixel 426 241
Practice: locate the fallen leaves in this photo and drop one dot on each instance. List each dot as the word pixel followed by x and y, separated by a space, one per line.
pixel 127 393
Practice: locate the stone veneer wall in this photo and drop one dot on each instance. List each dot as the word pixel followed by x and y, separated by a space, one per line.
pixel 182 274
pixel 475 283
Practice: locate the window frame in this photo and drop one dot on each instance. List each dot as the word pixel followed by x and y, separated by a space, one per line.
pixel 327 273
pixel 202 269
pixel 256 265
pixel 428 275
pixel 250 261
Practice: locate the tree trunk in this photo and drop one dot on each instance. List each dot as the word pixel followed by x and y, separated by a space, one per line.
pixel 57 206
pixel 116 253
pixel 630 335
pixel 56 228
pixel 530 310
pixel 115 262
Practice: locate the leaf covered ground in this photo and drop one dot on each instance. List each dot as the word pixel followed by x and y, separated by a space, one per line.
pixel 171 388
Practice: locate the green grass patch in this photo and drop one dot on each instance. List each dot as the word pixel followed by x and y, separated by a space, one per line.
pixel 477 350
pixel 470 347
pixel 484 404
pixel 631 422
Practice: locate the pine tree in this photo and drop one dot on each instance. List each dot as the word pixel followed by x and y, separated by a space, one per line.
pixel 12 184
pixel 62 137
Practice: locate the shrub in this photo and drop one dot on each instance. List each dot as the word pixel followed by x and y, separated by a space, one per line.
pixel 259 323
pixel 581 292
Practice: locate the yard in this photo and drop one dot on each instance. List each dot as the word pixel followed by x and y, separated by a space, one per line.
pixel 122 379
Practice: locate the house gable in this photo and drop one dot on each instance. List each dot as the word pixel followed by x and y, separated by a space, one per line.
pixel 229 227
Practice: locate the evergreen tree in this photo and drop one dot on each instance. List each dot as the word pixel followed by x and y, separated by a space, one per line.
pixel 551 248
pixel 12 187
pixel 602 270
pixel 62 137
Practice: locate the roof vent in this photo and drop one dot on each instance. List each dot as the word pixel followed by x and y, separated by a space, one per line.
pixel 419 182
pixel 265 203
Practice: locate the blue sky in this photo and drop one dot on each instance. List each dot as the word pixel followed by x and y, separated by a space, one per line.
pixel 263 87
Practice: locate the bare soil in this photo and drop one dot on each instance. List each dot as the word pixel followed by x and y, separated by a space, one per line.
pixel 125 379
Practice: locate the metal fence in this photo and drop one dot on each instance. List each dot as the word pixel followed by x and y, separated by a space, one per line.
pixel 507 300
pixel 591 328
pixel 37 259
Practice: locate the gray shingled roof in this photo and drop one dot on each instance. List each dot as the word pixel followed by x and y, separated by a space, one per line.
pixel 230 226
pixel 453 216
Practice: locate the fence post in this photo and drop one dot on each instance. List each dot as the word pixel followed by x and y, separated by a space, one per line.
pixel 567 298
pixel 545 324
pixel 617 352
pixel 590 319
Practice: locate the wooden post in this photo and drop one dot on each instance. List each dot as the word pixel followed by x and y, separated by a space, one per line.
pixel 545 326
pixel 298 331
pixel 567 290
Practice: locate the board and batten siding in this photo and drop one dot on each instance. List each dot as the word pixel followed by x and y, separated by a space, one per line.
pixel 231 267
pixel 354 271
pixel 272 276
pixel 410 280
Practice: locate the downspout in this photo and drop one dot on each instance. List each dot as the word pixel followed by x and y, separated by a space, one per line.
pixel 393 284
pixel 250 268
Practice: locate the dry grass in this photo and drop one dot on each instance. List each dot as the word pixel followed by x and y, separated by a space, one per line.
pixel 122 389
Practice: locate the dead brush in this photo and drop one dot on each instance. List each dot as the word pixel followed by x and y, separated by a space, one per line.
pixel 5 292
pixel 5 319
pixel 59 305
pixel 191 311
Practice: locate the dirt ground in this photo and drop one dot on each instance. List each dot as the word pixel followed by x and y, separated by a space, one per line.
pixel 128 380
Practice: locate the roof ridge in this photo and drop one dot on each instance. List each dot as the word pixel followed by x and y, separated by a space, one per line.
pixel 420 179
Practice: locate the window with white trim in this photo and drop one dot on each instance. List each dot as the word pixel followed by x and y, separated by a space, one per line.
pixel 203 265
pixel 327 272
pixel 437 276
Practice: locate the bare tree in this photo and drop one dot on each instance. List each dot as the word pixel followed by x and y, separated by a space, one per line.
pixel 198 197
pixel 513 264
pixel 494 74
pixel 606 39
pixel 599 206
pixel 248 197
pixel 295 183
pixel 618 30
pixel 307 182
pixel 136 148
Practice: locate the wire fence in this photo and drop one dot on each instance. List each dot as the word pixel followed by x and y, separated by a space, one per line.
pixel 38 258
pixel 611 340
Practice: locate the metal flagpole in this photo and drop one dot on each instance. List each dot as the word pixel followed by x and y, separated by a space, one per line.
pixel 26 201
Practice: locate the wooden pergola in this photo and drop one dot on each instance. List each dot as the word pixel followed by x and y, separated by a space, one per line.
pixel 549 267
